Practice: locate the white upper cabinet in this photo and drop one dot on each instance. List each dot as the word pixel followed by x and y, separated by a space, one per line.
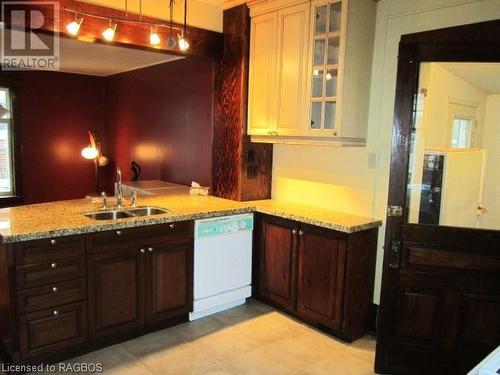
pixel 262 85
pixel 310 64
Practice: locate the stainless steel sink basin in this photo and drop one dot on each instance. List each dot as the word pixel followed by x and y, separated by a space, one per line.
pixel 146 211
pixel 108 215
pixel 123 214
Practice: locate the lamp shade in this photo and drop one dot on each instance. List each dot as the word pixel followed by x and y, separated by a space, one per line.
pixel 90 153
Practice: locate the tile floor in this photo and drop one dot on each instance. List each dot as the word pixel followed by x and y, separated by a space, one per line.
pixel 250 339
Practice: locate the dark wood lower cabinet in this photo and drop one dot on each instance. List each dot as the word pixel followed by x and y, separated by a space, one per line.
pixel 116 291
pixel 148 283
pixel 277 279
pixel 169 281
pixel 323 277
pixel 64 296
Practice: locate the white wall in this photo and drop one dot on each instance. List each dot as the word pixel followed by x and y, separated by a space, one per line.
pixel 444 88
pixel 444 91
pixel 345 179
pixel 491 141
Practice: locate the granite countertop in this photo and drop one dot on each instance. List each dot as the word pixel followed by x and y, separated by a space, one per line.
pixel 61 218
pixel 316 216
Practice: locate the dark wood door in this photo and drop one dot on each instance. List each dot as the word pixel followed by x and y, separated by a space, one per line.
pixel 116 291
pixel 169 276
pixel 277 261
pixel 320 277
pixel 439 309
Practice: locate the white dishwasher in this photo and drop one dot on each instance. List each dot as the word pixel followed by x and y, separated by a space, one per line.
pixel 222 263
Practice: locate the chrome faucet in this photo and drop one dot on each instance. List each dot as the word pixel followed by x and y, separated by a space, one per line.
pixel 134 198
pixel 118 188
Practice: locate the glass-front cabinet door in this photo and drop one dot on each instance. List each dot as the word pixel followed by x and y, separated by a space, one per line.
pixel 326 67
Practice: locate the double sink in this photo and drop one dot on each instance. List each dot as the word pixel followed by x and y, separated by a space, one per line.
pixel 124 214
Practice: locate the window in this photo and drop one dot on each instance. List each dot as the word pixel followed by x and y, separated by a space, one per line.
pixel 6 154
pixel 461 133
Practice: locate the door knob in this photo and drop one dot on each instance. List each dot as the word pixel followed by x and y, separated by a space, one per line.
pixel 395 254
pixel 53 266
pixel 55 313
pixel 53 242
pixel 54 289
pixel 294 231
pixel 301 233
pixel 142 251
pixel 150 249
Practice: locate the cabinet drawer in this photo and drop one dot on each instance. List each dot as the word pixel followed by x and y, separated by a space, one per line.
pixel 139 237
pixel 38 251
pixel 51 295
pixel 34 275
pixel 52 330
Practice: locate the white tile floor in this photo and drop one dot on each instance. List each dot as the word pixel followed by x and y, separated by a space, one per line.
pixel 250 339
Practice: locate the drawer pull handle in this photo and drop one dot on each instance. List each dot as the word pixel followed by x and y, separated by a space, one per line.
pixel 53 266
pixel 142 251
pixel 53 242
pixel 54 289
pixel 150 249
pixel 55 313
pixel 118 232
pixel 172 225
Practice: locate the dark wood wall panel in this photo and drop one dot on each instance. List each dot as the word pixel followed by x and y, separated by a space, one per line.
pixel 241 169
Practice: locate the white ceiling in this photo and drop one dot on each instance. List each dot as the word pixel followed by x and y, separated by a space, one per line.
pixel 99 59
pixel 485 76
pixel 104 60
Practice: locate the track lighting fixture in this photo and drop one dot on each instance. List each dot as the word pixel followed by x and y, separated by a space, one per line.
pixel 109 33
pixel 170 43
pixel 183 43
pixel 74 26
pixel 154 38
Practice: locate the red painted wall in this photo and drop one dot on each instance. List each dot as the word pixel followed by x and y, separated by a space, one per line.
pixel 161 117
pixel 56 110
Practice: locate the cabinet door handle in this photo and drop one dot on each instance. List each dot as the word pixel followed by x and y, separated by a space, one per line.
pixel 53 242
pixel 118 232
pixel 294 231
pixel 54 289
pixel 53 266
pixel 171 225
pixel 142 251
pixel 55 313
pixel 150 249
pixel 301 233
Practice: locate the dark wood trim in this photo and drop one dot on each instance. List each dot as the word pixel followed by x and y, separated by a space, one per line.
pixel 10 81
pixel 476 42
pixel 241 170
pixel 129 35
pixel 372 327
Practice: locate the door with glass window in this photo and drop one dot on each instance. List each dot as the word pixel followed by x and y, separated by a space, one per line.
pixel 440 303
